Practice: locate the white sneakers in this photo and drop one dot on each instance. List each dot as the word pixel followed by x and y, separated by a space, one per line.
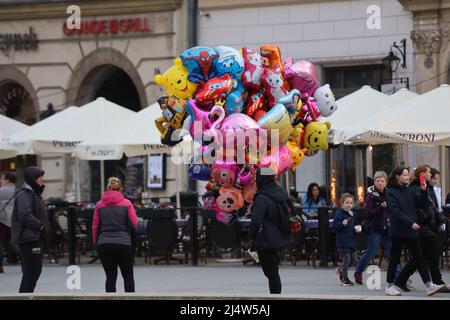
pixel 431 290
pixel 434 288
pixel 392 291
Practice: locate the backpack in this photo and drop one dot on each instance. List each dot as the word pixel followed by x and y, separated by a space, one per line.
pixel 290 222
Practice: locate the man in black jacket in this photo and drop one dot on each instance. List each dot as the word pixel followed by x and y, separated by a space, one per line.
pixel 30 226
pixel 267 229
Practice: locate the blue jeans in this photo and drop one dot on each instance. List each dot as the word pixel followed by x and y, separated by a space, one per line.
pixel 373 242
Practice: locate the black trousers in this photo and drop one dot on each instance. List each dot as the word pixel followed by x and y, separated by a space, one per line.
pixel 416 259
pixel 113 256
pixel 31 254
pixel 431 253
pixel 270 261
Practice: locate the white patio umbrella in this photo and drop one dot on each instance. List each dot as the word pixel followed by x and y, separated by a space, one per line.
pixel 421 120
pixel 61 132
pixel 8 127
pixel 353 108
pixel 137 136
pixel 365 130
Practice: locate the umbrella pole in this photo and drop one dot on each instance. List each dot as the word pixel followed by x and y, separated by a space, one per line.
pixel 178 190
pixel 444 171
pixel 369 161
pixel 77 173
pixel 102 176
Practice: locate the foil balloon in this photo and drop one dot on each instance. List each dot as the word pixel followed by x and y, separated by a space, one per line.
pixel 301 75
pixel 200 120
pixel 173 116
pixel 277 118
pixel 279 161
pixel 236 98
pixel 273 82
pixel 201 63
pixel 214 90
pixel 227 130
pixel 253 68
pixel 224 217
pixel 199 171
pixel 249 191
pixel 313 136
pixel 230 199
pixel 224 174
pixel 256 101
pixel 176 82
pixel 229 62
pixel 324 97
pixel 297 154
pixel 292 102
pixel 271 56
pixel 308 111
pixel 209 200
pixel 246 175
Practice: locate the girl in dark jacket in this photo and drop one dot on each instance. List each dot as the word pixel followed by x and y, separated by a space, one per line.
pixel 114 220
pixel 429 218
pixel 402 206
pixel 346 231
pixel 266 230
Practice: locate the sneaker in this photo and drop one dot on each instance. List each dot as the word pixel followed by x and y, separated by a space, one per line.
pixel 346 283
pixel 339 273
pixel 253 255
pixel 434 288
pixel 1 269
pixel 392 291
pixel 410 286
pixel 445 289
pixel 402 287
pixel 358 278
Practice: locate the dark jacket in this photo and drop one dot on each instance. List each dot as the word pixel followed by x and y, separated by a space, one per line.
pixel 266 225
pixel 377 216
pixel 29 217
pixel 114 220
pixel 345 235
pixel 428 216
pixel 402 207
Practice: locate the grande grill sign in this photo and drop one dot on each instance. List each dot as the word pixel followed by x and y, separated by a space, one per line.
pixel 108 27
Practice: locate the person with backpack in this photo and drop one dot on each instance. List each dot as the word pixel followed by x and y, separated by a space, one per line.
pixel 269 228
pixel 7 191
pixel 114 221
pixel 30 226
pixel 376 225
pixel 346 231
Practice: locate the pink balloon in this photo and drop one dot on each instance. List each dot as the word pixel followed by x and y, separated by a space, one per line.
pixel 229 128
pixel 278 161
pixel 197 115
pixel 301 75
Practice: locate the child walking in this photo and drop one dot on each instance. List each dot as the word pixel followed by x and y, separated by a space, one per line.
pixel 346 231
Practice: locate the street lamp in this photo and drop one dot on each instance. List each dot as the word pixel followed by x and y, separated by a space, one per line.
pixel 391 61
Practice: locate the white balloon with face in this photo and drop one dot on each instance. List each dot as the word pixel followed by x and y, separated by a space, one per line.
pixel 326 103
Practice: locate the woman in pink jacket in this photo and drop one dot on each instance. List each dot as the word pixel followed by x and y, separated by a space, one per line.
pixel 114 220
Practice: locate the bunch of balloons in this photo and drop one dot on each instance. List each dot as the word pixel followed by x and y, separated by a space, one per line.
pixel 236 102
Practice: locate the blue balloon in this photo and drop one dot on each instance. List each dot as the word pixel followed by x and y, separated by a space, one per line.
pixel 199 171
pixel 201 63
pixel 230 61
pixel 236 98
